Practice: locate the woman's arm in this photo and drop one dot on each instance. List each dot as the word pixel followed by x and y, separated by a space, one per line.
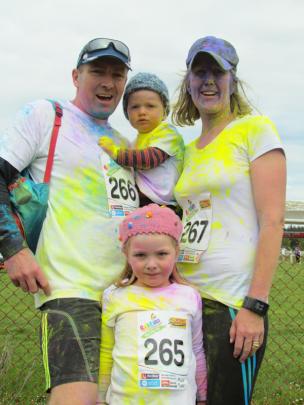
pixel 268 179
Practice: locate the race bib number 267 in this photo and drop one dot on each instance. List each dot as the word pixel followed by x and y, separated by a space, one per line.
pixel 197 216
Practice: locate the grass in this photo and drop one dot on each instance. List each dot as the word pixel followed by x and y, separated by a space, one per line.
pixel 21 372
pixel 280 381
pixel 281 378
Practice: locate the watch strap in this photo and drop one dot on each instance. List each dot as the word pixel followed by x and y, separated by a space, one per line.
pixel 257 306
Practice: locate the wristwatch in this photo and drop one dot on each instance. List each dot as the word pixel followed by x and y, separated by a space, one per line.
pixel 255 305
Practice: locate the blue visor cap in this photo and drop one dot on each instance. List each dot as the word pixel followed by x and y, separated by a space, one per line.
pixel 101 47
pixel 222 52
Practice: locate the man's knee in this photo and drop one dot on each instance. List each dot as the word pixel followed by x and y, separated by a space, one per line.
pixel 76 393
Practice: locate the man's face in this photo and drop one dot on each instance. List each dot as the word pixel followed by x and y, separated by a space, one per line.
pixel 100 85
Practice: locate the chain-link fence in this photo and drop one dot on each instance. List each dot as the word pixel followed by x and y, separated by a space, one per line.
pixel 280 381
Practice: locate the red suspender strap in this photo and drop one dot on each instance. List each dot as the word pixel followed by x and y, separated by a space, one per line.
pixel 54 136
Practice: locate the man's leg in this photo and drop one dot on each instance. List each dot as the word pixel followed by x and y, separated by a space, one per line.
pixel 77 393
pixel 70 342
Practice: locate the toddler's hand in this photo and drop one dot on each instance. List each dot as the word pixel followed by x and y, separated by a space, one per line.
pixel 109 146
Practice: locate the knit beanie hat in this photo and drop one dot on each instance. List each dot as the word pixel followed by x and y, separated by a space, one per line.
pixel 150 219
pixel 146 81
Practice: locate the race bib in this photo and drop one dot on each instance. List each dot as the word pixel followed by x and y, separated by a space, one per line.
pixel 164 349
pixel 120 185
pixel 197 216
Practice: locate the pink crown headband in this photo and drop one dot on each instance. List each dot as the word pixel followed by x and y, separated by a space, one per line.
pixel 150 219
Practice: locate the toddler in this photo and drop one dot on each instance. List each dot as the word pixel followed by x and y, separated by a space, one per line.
pixel 157 156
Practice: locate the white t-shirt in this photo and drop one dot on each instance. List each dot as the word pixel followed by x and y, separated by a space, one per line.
pixel 119 358
pixel 158 183
pixel 78 249
pixel 222 168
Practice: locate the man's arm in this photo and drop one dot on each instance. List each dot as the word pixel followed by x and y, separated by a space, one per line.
pixel 11 241
pixel 21 266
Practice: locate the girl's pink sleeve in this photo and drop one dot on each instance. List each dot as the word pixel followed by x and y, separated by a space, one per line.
pixel 198 349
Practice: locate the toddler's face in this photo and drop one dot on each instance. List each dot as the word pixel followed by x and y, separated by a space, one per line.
pixel 145 110
pixel 152 258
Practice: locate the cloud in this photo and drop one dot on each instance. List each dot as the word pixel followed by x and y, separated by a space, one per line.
pixel 41 40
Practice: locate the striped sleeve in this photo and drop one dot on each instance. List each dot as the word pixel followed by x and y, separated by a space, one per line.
pixel 143 159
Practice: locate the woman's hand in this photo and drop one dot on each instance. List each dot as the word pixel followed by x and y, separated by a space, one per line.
pixel 246 328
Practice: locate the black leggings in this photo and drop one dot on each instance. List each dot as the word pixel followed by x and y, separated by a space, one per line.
pixel 229 381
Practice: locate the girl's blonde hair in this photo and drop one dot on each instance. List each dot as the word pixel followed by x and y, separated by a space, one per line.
pixel 185 113
pixel 127 276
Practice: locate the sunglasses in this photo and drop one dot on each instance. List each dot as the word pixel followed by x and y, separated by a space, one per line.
pixel 99 44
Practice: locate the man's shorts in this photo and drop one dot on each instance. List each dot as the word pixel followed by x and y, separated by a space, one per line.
pixel 70 340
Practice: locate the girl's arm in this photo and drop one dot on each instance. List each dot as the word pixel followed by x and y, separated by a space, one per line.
pixel 197 345
pixel 268 179
pixel 106 361
pixel 143 159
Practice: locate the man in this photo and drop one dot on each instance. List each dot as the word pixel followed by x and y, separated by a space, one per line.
pixel 78 254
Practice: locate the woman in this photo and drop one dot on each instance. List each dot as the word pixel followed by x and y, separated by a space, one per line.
pixel 232 191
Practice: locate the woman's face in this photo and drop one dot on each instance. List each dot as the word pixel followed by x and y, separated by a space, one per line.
pixel 210 87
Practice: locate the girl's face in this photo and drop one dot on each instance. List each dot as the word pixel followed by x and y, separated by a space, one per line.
pixel 152 258
pixel 210 87
pixel 145 110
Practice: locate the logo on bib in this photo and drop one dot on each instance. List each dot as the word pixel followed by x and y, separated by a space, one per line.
pixel 152 326
pixel 178 322
pixel 205 204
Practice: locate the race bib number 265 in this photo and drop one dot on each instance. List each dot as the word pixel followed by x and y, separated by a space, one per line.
pixel 163 349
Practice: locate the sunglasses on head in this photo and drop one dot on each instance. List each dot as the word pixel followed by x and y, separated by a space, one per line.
pixel 98 44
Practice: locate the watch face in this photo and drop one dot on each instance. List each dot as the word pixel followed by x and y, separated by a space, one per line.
pixel 259 306
pixel 256 306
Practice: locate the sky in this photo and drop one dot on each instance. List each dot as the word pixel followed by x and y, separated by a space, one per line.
pixel 41 39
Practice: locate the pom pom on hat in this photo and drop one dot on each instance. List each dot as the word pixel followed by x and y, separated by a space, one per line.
pixel 150 219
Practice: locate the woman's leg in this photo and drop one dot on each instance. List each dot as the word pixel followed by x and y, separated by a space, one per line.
pixel 229 381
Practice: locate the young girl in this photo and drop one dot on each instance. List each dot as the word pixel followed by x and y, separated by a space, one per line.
pixel 158 154
pixel 151 351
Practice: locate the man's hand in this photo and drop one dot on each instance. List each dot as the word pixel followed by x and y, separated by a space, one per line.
pixel 24 271
pixel 109 146
pixel 246 328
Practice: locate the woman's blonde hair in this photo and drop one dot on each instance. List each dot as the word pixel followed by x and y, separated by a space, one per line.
pixel 127 277
pixel 185 113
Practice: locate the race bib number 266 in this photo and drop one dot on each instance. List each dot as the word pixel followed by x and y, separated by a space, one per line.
pixel 120 185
